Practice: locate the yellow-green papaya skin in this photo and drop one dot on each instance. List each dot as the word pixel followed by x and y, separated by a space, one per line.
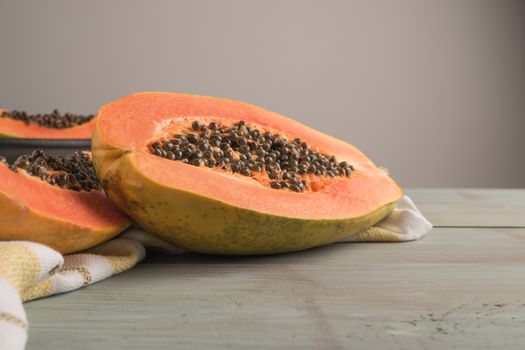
pixel 205 225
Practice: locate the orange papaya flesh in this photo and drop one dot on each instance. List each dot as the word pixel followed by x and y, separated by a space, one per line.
pixel 215 211
pixel 20 129
pixel 66 220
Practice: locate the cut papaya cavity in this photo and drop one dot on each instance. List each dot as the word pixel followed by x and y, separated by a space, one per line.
pixel 267 157
pixel 46 126
pixel 224 177
pixel 56 201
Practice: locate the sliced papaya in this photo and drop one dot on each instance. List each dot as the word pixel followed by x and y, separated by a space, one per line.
pixel 46 126
pixel 225 177
pixel 56 201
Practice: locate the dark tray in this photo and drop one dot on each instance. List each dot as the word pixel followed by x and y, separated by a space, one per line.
pixel 12 148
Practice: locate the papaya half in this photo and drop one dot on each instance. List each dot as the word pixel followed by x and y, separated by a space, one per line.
pixel 56 201
pixel 46 126
pixel 219 176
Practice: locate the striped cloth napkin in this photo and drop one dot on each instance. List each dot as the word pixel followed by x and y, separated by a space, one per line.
pixel 30 270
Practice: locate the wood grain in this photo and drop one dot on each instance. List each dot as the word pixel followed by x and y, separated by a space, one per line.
pixel 456 288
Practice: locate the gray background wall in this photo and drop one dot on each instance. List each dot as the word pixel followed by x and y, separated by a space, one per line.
pixel 433 90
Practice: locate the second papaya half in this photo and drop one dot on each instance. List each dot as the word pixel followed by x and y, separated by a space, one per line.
pixel 225 177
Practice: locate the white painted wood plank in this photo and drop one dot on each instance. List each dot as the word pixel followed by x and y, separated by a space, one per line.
pixel 471 207
pixel 456 288
pixel 468 195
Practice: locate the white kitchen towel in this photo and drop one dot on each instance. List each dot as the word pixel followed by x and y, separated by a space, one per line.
pixel 31 271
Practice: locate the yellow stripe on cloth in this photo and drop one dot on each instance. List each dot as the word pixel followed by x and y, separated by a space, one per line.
pixel 10 318
pixel 39 290
pixel 86 275
pixel 121 253
pixel 19 265
pixel 376 234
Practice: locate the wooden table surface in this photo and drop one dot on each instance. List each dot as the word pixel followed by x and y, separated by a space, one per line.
pixel 462 286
